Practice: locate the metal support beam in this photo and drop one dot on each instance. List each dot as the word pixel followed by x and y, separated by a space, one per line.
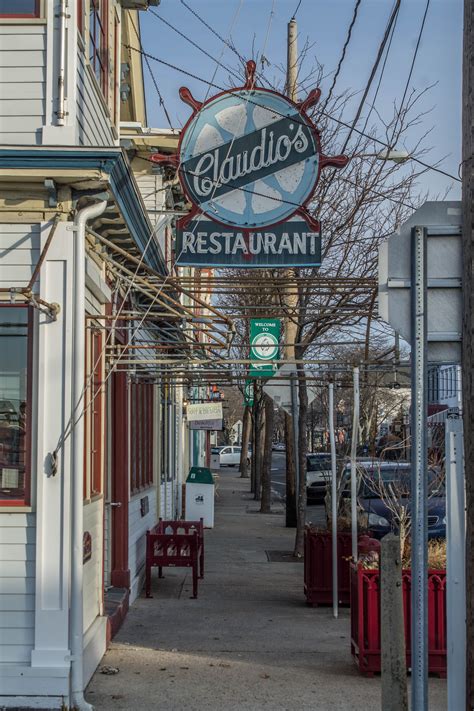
pixel 419 509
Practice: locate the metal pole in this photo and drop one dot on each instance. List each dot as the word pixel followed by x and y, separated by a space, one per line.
pixel 355 438
pixel 332 441
pixel 419 408
pixel 456 575
pixel 294 418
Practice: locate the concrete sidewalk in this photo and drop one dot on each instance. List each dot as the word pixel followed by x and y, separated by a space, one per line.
pixel 247 643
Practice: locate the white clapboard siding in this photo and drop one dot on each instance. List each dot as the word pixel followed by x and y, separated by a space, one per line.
pixel 22 83
pixel 93 523
pixel 137 527
pixel 19 253
pixel 93 123
pixel 17 587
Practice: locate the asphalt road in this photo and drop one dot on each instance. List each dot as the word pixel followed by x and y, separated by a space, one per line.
pixel 316 513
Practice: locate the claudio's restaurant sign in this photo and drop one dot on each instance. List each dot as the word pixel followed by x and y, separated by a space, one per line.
pixel 249 160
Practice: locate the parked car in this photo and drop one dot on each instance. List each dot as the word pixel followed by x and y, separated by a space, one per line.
pixel 216 450
pixel 380 518
pixel 278 447
pixel 318 476
pixel 230 456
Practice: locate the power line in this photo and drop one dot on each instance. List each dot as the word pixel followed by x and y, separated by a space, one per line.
pixel 295 119
pixel 344 49
pixel 297 8
pixel 161 100
pixel 194 44
pixel 420 34
pixel 214 32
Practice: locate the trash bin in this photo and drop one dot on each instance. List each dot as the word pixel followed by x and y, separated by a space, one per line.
pixel 215 461
pixel 200 496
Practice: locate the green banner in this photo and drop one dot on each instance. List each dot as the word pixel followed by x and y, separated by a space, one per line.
pixel 264 347
pixel 248 393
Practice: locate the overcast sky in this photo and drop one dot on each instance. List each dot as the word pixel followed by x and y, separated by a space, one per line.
pixel 324 23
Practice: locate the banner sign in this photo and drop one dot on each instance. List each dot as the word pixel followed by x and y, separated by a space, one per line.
pixel 264 346
pixel 201 411
pixel 204 242
pixel 248 160
pixel 248 393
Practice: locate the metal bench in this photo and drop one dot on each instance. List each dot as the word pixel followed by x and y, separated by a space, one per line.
pixel 176 544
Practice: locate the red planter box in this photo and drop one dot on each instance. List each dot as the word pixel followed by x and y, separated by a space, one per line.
pixel 365 619
pixel 318 567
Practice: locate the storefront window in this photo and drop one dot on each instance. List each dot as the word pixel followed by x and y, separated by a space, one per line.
pixel 15 360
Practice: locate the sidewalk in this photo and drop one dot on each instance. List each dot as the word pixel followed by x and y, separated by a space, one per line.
pixel 247 643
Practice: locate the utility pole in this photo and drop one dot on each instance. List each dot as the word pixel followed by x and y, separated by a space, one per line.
pixel 468 329
pixel 290 326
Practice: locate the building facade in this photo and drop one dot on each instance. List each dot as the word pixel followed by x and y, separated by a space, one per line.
pixel 93 448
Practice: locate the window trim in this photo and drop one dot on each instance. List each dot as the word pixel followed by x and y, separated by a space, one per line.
pixel 25 502
pixel 100 53
pixel 35 15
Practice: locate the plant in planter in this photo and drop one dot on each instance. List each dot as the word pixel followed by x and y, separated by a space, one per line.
pixel 365 609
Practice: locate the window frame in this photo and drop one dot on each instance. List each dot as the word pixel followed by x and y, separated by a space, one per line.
pixel 141 435
pixel 26 500
pixel 35 15
pixel 99 13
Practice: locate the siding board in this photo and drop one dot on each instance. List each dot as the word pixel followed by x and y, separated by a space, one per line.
pixel 92 120
pixel 22 83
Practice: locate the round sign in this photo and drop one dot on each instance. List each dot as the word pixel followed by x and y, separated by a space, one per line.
pixel 265 346
pixel 249 158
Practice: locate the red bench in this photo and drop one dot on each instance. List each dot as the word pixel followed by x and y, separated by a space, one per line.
pixel 177 544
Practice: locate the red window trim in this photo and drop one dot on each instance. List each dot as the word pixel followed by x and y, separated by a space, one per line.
pixel 26 15
pixel 26 500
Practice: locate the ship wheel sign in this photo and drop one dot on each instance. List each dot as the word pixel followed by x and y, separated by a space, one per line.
pixel 249 160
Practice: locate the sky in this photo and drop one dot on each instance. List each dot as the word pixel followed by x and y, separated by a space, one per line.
pixel 257 26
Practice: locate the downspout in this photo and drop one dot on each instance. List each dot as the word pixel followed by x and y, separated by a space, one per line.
pixel 62 15
pixel 77 450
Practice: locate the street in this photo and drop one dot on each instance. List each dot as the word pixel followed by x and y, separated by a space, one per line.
pixel 314 514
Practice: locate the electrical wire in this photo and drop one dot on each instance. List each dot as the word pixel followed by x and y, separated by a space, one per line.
pixel 297 8
pixel 194 44
pixel 153 78
pixel 214 32
pixel 344 50
pixel 295 119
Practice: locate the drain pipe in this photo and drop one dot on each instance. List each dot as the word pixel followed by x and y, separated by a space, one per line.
pixel 77 454
pixel 62 15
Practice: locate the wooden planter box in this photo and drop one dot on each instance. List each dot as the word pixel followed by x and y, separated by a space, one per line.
pixel 365 619
pixel 318 567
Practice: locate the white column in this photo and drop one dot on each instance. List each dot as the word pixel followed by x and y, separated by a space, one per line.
pixel 53 493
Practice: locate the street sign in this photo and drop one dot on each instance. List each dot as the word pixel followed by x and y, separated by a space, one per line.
pixel 249 160
pixel 264 346
pixel 205 242
pixel 442 221
pixel 280 390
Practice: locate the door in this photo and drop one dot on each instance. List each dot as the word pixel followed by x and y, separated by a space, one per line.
pixel 117 501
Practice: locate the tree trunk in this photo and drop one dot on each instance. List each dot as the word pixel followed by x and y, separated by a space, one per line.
pixel 253 458
pixel 266 504
pixel 246 432
pixel 302 451
pixel 259 433
pixel 290 474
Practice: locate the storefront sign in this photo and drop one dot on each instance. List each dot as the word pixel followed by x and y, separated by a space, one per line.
pixel 264 346
pixel 205 416
pixel 205 242
pixel 249 160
